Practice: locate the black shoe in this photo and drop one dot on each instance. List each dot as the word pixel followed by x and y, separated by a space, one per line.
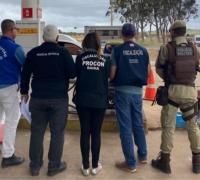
pixel 11 161
pixel 162 163
pixel 196 163
pixel 34 171
pixel 54 171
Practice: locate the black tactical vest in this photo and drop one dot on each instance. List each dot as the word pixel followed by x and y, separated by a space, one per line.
pixel 182 63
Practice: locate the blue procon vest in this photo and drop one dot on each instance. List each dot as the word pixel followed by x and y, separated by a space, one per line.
pixel 132 65
pixel 10 68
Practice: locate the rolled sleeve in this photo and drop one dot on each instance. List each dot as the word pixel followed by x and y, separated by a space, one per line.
pixel 161 61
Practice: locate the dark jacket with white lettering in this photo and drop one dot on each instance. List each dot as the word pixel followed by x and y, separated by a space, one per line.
pixel 132 65
pixel 50 66
pixel 92 80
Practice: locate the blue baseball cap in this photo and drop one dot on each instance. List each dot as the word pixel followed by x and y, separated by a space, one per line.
pixel 128 30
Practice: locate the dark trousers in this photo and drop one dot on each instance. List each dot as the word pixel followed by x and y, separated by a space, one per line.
pixel 44 112
pixel 91 122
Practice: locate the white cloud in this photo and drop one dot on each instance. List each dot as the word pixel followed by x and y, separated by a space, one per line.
pixel 67 14
pixel 9 11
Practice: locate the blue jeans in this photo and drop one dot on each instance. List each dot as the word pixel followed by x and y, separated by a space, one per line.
pixel 130 122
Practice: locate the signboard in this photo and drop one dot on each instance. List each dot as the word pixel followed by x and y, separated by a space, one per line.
pixel 27 31
pixel 27 12
pixel 39 13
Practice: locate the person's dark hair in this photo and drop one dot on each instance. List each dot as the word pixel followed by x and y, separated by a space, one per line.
pixel 7 25
pixel 91 41
pixel 180 31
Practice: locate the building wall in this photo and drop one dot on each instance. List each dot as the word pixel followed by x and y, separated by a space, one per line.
pixel 105 32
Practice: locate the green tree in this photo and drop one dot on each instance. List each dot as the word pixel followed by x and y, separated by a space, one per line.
pixel 158 13
pixel 136 11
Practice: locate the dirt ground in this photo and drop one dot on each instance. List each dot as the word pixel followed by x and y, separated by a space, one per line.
pixel 153 52
pixel 110 153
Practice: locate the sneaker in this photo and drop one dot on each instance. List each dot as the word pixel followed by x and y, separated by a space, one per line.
pixel 143 161
pixel 11 161
pixel 85 172
pixel 95 171
pixel 124 167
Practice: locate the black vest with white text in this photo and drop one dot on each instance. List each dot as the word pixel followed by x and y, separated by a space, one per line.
pixel 92 80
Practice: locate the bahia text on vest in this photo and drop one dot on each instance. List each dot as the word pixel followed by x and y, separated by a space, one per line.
pixel 132 65
pixel 182 64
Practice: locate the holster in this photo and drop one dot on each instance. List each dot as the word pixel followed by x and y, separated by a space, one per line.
pixel 198 97
pixel 162 95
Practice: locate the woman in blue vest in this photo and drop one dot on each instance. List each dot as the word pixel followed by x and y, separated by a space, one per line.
pixel 91 100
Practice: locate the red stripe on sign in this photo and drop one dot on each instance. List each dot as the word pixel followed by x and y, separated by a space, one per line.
pixel 27 12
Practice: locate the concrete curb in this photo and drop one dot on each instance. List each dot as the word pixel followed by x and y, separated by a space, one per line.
pixel 74 125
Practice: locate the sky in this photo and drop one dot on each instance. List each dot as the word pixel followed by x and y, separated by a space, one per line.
pixel 71 15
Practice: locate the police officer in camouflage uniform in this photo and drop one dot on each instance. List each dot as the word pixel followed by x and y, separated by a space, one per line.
pixel 177 64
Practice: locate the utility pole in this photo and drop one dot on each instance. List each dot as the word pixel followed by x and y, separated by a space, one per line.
pixel 111 12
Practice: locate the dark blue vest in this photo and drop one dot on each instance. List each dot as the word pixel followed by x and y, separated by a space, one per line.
pixel 132 65
pixel 9 66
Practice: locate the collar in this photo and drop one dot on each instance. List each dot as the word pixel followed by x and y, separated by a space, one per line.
pixel 8 38
pixel 180 40
pixel 50 42
pixel 130 41
pixel 91 50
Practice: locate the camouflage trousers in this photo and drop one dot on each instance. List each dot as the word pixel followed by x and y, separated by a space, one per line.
pixel 168 123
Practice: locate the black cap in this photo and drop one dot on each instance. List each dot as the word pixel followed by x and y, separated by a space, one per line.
pixel 128 30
